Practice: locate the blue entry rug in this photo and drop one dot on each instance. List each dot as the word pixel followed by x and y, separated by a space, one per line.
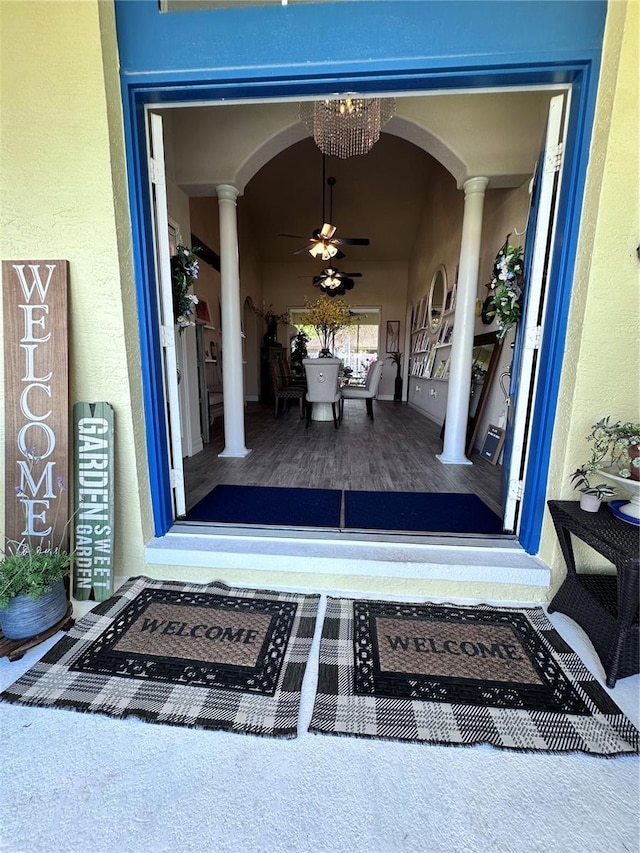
pixel 448 674
pixel 269 505
pixel 423 512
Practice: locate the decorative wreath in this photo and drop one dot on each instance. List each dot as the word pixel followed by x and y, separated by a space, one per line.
pixel 184 272
pixel 506 287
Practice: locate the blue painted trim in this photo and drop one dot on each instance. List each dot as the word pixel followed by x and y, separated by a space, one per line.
pixel 556 321
pixel 338 39
pixel 560 43
pixel 151 355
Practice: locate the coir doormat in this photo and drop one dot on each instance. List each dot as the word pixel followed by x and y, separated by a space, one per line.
pixel 205 656
pixel 421 512
pixel 269 505
pixel 461 675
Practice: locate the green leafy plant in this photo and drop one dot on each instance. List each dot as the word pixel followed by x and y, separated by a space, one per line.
pixel 299 350
pixel 270 316
pixel 184 272
pixel 31 571
pixel 615 446
pixel 581 482
pixel 506 288
pixel 327 316
pixel 31 568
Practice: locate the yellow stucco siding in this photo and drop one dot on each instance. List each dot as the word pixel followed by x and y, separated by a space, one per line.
pixel 63 195
pixel 601 370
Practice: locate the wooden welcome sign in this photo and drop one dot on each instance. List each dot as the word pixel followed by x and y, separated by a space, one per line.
pixel 36 401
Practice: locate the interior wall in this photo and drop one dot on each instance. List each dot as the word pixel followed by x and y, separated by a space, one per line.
pixel 383 284
pixel 505 212
pixel 205 225
pixel 437 243
pixel 251 287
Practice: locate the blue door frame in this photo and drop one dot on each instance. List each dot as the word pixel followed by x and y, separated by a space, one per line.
pixel 276 53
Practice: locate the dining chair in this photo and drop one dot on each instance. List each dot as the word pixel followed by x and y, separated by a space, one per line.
pixel 281 382
pixel 367 392
pixel 322 388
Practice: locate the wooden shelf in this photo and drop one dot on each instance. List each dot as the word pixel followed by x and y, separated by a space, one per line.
pixel 209 341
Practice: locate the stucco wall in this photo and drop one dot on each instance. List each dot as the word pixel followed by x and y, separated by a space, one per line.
pixel 63 195
pixel 602 354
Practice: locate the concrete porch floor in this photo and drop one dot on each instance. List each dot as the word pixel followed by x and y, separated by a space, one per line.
pixel 84 782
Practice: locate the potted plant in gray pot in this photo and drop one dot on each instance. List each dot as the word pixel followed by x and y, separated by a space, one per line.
pixel 33 597
pixel 590 496
pixel 32 593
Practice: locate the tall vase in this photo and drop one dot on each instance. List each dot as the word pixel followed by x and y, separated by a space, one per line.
pixel 271 337
pixel 397 391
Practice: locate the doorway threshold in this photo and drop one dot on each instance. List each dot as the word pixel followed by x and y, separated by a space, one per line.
pixel 456 558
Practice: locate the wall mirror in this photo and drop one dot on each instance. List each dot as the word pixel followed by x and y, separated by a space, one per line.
pixel 486 354
pixel 437 296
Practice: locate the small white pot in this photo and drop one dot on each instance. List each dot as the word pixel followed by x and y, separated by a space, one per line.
pixel 589 503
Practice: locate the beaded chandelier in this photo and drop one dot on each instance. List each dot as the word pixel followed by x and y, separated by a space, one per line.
pixel 346 127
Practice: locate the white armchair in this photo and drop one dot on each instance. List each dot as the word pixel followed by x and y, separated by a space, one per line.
pixel 367 392
pixel 322 386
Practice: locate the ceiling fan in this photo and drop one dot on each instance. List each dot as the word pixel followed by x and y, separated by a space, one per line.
pixel 323 243
pixel 335 283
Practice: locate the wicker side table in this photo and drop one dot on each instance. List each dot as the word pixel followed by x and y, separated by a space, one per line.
pixel 605 606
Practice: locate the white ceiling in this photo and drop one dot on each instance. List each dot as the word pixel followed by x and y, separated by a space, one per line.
pixel 265 151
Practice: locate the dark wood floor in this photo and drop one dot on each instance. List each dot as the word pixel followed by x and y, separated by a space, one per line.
pixel 395 452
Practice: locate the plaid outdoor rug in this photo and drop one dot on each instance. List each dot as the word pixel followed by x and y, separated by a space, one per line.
pixel 460 675
pixel 199 655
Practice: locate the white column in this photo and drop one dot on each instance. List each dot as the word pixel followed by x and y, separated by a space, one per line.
pixel 455 434
pixel 232 374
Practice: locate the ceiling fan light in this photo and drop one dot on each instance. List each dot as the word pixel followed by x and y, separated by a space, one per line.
pixel 317 250
pixel 327 231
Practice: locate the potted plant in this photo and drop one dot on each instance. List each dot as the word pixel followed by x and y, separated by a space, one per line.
pixel 590 496
pixel 299 351
pixel 615 452
pixel 33 597
pixel 615 448
pixel 272 320
pixel 327 316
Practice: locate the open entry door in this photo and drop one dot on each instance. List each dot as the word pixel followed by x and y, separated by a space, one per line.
pixel 159 213
pixel 537 262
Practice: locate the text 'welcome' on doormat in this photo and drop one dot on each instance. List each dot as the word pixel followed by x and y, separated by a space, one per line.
pixel 205 656
pixel 461 675
pixel 269 505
